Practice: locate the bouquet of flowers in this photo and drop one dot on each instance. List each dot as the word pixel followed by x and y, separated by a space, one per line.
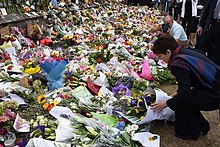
pixel 103 55
pixel 5 77
pixel 130 106
pixel 7 115
pixel 52 99
pixel 90 132
pixel 69 39
pixel 54 70
pixel 31 67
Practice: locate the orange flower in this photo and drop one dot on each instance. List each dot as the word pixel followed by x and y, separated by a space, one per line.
pixel 45 106
pixel 66 96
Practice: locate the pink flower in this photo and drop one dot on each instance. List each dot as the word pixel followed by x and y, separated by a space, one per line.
pixel 9 113
pixel 4 118
pixel 151 55
pixel 78 58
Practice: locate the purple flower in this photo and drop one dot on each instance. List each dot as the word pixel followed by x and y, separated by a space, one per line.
pixel 134 102
pixel 121 89
pixel 147 99
pixel 140 104
pixel 26 56
pixel 3 131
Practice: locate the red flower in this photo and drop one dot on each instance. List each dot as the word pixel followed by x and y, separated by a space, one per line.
pixel 99 60
pixel 58 59
pixel 9 67
pixel 50 106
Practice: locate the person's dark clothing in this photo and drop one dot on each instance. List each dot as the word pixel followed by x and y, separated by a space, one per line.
pixel 209 42
pixel 207 14
pixel 194 94
pixel 196 22
pixel 187 20
pixel 177 10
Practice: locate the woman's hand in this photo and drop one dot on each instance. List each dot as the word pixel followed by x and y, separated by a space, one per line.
pixel 159 105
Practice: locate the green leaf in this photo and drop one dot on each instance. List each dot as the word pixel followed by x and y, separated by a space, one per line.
pixel 92 130
pixel 105 118
pixel 126 137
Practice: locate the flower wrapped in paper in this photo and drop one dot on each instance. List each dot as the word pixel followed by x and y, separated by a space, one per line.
pixel 121 90
pixel 146 72
pixel 54 71
pixel 31 68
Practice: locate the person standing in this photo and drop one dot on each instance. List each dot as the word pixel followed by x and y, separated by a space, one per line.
pixel 193 36
pixel 209 30
pixel 198 90
pixel 177 9
pixel 189 10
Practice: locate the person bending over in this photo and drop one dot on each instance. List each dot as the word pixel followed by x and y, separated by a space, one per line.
pixel 198 87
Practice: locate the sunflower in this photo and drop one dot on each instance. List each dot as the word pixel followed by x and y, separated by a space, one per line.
pixel 41 99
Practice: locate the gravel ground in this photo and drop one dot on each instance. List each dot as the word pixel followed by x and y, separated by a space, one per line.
pixel 166 130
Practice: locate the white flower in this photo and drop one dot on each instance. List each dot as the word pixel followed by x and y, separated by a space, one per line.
pixel 55 95
pixel 128 129
pixel 58 99
pixel 153 70
pixel 134 127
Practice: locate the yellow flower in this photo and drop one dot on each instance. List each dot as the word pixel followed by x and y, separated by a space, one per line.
pixel 54 102
pixel 29 63
pixel 140 100
pixel 137 111
pixel 150 139
pixel 68 36
pixel 92 67
pixel 100 47
pixel 45 106
pixel 134 94
pixel 32 70
pixel 141 117
pixel 41 99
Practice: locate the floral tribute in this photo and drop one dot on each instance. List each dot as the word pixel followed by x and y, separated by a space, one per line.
pixel 83 80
